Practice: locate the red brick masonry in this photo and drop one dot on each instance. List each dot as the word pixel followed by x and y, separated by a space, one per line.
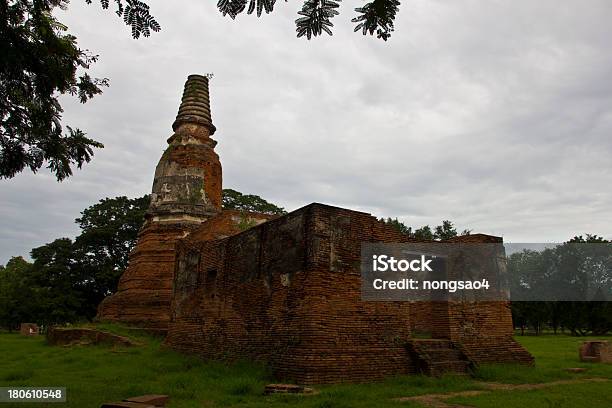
pixel 288 292
pixel 145 288
pixel 596 351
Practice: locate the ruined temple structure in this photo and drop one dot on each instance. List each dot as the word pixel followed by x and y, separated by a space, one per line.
pixel 286 291
pixel 186 195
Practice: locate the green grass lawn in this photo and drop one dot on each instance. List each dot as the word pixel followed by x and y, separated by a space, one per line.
pixel 562 396
pixel 95 374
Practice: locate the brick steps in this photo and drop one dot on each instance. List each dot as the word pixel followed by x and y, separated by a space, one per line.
pixel 437 357
pixel 450 366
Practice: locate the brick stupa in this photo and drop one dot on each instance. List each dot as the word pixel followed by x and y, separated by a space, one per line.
pixel 287 292
pixel 186 193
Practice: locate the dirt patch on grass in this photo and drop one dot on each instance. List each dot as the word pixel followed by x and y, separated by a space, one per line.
pixel 60 336
pixel 512 387
pixel 439 400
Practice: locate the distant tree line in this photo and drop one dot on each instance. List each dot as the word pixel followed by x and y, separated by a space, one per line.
pixel 567 271
pixel 536 273
pixel 67 279
pixel 441 232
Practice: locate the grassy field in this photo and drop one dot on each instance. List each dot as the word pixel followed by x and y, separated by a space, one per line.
pixel 95 374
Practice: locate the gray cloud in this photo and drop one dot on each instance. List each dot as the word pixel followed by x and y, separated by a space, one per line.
pixel 495 115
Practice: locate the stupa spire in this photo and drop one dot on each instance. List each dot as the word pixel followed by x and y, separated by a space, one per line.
pixel 187 183
pixel 186 192
pixel 195 104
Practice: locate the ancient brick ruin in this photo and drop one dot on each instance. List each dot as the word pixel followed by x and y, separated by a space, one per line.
pixel 596 351
pixel 186 193
pixel 29 329
pixel 288 290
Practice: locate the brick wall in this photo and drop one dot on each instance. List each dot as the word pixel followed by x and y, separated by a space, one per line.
pixel 145 288
pixel 288 293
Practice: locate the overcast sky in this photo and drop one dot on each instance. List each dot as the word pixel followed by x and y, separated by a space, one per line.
pixel 496 115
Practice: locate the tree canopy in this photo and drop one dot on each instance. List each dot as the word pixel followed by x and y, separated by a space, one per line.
pixel 69 278
pixel 565 272
pixel 443 231
pixel 40 61
pixel 235 200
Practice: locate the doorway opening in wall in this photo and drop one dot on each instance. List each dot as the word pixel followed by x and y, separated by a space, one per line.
pixel 210 282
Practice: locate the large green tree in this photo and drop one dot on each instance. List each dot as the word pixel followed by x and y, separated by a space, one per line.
pixel 15 293
pixel 40 60
pixel 68 279
pixel 235 200
pixel 58 287
pixel 109 230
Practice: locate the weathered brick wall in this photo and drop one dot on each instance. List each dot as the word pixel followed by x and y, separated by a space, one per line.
pixel 347 340
pixel 421 317
pixel 145 288
pixel 223 304
pixel 288 292
pixel 483 327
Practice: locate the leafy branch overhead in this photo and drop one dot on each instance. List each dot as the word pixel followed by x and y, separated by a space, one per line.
pixel 135 14
pixel 234 7
pixel 377 16
pixel 40 61
pixel 314 18
pixel 374 17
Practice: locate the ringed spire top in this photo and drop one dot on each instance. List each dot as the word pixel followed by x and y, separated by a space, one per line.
pixel 195 104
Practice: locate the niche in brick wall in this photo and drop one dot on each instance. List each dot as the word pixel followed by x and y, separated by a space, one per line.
pixel 210 283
